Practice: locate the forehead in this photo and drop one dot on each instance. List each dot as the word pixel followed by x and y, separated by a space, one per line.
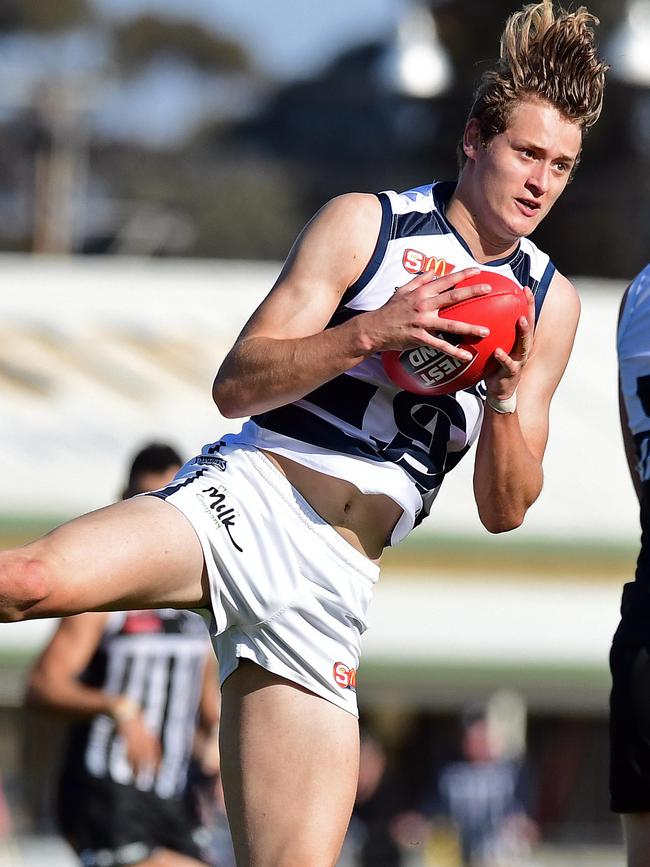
pixel 538 123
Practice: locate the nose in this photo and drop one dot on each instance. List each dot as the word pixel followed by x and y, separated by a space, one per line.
pixel 539 181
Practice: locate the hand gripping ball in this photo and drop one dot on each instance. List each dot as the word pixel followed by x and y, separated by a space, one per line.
pixel 425 370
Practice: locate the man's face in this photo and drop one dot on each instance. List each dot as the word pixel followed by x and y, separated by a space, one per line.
pixel 522 171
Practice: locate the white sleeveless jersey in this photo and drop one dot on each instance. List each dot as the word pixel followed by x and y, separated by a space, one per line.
pixel 360 426
pixel 633 350
pixel 633 347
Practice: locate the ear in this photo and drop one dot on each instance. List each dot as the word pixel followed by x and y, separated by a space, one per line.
pixel 471 138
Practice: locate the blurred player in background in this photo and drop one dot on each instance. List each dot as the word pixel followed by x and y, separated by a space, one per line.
pixel 476 812
pixel 278 529
pixel 630 655
pixel 483 796
pixel 139 684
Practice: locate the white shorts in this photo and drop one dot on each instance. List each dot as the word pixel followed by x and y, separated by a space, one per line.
pixel 287 591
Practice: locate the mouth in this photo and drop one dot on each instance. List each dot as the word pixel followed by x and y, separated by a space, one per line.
pixel 528 207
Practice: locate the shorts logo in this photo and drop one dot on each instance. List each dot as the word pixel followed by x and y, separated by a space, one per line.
pixel 344 676
pixel 418 263
pixel 220 510
pixel 212 461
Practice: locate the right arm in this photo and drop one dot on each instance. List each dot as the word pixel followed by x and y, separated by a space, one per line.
pixel 285 351
pixel 54 685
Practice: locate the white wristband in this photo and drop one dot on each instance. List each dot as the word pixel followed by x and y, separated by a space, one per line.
pixel 509 405
pixel 124 709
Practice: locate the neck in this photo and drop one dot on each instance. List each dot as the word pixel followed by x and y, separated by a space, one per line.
pixel 465 217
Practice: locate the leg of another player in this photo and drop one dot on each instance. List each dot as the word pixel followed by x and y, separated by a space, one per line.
pixel 290 763
pixel 139 553
pixel 636 829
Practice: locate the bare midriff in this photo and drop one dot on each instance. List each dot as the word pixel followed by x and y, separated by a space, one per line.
pixel 366 521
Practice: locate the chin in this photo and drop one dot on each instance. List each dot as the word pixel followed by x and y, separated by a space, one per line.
pixel 522 228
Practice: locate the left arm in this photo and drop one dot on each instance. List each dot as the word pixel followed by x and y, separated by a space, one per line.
pixel 508 470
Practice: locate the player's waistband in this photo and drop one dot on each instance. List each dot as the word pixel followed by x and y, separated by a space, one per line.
pixel 295 501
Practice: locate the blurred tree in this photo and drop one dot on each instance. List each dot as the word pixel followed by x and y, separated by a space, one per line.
pixel 244 182
pixel 42 17
pixel 142 39
pixel 346 130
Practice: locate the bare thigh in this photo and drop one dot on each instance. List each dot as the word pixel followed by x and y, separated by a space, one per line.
pixel 140 553
pixel 290 763
pixel 636 828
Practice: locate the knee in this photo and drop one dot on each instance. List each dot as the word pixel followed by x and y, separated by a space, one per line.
pixel 24 585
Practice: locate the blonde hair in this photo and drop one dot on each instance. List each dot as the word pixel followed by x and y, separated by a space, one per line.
pixel 548 55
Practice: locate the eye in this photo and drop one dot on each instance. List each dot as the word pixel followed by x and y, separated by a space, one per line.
pixel 528 153
pixel 561 166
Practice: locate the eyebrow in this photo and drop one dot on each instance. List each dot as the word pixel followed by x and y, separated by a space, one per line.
pixel 536 147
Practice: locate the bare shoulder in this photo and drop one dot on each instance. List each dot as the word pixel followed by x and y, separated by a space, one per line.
pixel 334 247
pixel 554 336
pixel 344 232
pixel 361 210
pixel 558 320
pixel 562 298
pixel 328 256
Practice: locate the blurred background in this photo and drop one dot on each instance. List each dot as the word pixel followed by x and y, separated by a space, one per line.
pixel 157 159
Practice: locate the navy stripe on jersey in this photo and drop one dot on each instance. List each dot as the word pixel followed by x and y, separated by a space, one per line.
pixel 163 493
pixel 385 233
pixel 341 315
pixel 542 288
pixel 314 430
pixel 643 393
pixel 422 433
pixel 539 288
pixel 642 446
pixel 344 397
pixel 416 223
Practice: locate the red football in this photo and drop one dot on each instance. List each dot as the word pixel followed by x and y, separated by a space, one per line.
pixel 425 370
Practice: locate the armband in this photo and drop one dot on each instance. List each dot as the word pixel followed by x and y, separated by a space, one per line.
pixel 124 709
pixel 503 407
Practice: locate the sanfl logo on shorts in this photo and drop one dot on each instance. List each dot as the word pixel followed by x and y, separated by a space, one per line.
pixel 344 676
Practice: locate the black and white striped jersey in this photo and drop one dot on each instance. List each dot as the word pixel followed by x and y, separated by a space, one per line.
pixel 633 349
pixel 157 658
pixel 360 426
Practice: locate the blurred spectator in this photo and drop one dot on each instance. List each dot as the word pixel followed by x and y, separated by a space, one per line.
pixel 476 813
pixel 142 686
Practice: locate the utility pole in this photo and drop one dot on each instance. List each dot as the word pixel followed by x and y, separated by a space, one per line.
pixel 60 166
